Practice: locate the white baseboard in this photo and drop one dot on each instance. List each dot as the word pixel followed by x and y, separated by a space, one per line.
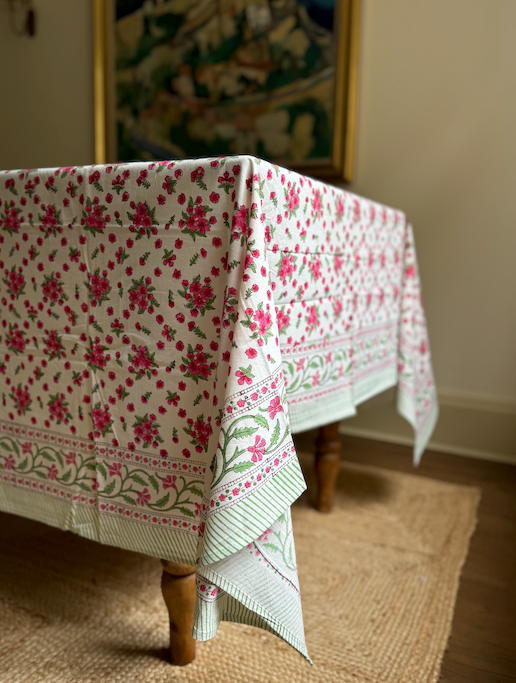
pixel 472 402
pixel 477 428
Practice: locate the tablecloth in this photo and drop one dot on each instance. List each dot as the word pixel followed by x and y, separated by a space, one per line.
pixel 165 328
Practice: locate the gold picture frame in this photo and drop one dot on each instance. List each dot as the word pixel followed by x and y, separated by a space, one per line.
pixel 339 163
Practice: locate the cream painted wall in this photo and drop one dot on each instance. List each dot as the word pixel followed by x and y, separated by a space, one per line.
pixel 46 87
pixel 436 139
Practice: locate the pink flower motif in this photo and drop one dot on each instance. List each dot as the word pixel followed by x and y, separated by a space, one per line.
pixel 15 340
pixel 169 482
pixel 312 319
pixel 315 267
pixel 243 378
pixel 198 173
pixel 316 205
pixel 293 200
pixel 143 497
pixel 283 320
pixel 265 536
pixel 251 353
pixel 337 307
pixel 141 359
pixel 258 449
pixel 264 320
pixel 115 469
pixel 52 472
pixel 275 407
pixel 201 432
pixel 241 221
pixel 356 210
pixel 287 266
pixel 9 462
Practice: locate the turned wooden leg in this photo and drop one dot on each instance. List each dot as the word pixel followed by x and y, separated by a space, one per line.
pixel 327 460
pixel 178 588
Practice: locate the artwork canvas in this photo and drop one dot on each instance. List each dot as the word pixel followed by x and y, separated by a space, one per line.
pixel 196 78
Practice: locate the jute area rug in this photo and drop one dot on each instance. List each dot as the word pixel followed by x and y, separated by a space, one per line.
pixel 379 578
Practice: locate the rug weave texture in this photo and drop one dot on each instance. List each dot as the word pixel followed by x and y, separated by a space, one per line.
pixel 379 578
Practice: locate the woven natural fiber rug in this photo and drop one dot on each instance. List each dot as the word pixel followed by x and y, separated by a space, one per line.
pixel 379 578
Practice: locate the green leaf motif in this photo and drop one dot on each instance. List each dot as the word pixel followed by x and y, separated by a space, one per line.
pixel 271 546
pixel 195 490
pixel 101 469
pixel 109 488
pixel 66 476
pixel 154 483
pixel 261 421
pixel 85 487
pixel 187 512
pixel 128 499
pixel 243 466
pixel 275 434
pixel 138 479
pixel 243 432
pixel 162 501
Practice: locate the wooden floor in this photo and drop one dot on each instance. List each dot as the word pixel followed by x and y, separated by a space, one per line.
pixel 482 646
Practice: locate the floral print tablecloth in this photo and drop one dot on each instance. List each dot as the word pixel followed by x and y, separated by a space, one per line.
pixel 164 329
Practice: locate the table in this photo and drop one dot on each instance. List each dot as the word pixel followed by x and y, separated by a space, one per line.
pixel 165 328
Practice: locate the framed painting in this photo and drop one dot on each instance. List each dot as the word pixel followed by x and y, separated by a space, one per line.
pixel 275 79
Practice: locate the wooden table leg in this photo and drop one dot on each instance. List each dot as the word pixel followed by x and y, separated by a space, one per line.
pixel 178 588
pixel 327 460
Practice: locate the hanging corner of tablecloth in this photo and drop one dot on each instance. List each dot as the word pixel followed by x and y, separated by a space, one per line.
pixel 235 562
pixel 423 430
pixel 221 599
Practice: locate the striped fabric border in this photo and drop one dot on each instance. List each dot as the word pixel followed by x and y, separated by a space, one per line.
pixel 239 607
pixel 233 528
pixel 371 385
pixel 159 543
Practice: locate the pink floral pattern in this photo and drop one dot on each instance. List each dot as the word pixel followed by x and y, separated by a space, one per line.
pixel 165 326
